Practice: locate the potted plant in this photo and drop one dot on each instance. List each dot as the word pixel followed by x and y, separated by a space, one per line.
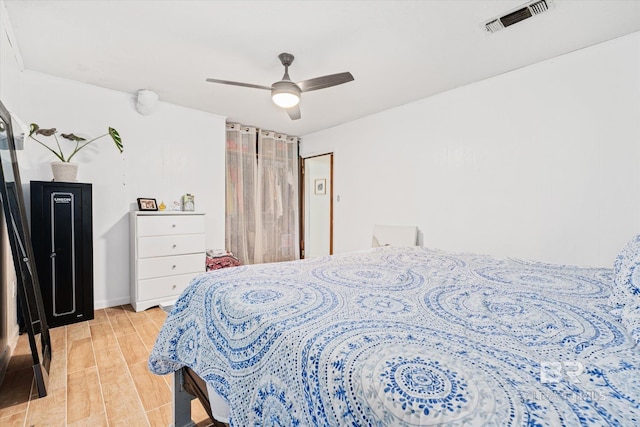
pixel 64 170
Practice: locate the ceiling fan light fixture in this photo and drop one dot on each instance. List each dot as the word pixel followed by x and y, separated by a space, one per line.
pixel 285 94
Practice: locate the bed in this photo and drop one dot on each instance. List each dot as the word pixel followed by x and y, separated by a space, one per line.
pixel 396 336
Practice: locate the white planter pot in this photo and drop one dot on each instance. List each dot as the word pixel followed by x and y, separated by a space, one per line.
pixel 64 171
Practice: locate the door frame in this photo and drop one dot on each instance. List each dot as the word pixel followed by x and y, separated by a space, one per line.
pixel 302 193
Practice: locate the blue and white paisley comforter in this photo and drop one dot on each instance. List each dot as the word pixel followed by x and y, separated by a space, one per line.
pixel 407 337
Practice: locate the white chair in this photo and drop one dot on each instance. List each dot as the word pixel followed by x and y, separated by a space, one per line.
pixel 394 235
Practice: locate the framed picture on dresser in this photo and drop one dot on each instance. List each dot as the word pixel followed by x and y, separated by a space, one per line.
pixel 145 204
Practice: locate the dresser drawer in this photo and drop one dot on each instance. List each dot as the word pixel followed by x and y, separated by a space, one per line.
pixel 170 224
pixel 153 246
pixel 149 268
pixel 163 287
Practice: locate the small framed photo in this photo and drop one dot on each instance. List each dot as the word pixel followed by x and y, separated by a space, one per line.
pixel 320 186
pixel 147 204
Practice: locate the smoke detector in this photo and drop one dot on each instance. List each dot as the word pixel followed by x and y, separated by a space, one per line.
pixel 526 11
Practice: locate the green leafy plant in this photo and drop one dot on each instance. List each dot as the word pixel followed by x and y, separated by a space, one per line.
pixel 80 142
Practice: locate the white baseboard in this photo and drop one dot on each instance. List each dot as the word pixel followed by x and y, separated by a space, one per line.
pixel 111 302
pixel 12 339
pixel 7 352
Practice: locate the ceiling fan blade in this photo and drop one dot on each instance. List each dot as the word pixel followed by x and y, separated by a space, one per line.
pixel 294 112
pixel 227 82
pixel 324 81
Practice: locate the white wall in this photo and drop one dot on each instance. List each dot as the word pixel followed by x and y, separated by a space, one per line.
pixel 539 163
pixel 173 151
pixel 10 63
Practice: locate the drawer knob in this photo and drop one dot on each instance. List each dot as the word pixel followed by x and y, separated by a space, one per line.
pixel 173 226
pixel 173 266
pixel 174 286
pixel 174 246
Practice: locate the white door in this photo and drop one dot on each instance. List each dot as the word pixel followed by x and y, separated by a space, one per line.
pixel 318 207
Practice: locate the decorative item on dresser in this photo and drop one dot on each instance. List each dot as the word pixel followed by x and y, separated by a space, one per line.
pixel 167 251
pixel 62 235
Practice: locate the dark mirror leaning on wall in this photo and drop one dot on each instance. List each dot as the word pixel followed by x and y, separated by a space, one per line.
pixel 34 320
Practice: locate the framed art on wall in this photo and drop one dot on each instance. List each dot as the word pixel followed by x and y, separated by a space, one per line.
pixel 320 186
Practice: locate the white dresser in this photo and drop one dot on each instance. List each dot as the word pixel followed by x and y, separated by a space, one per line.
pixel 167 251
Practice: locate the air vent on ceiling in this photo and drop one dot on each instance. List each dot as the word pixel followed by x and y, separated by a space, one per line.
pixel 523 12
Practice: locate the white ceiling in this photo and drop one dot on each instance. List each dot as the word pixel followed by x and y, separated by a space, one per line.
pixel 398 51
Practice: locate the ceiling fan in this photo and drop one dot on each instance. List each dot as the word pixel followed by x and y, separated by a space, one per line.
pixel 285 93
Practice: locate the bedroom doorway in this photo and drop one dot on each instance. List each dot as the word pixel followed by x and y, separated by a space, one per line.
pixel 317 201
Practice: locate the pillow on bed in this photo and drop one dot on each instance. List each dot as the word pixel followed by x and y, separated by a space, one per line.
pixel 626 271
pixel 215 262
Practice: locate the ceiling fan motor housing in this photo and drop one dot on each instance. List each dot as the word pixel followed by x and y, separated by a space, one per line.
pixel 286 58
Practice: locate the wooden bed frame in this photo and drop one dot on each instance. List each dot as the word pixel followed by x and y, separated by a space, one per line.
pixel 187 385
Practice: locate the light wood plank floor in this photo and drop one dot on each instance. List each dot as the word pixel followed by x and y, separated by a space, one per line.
pixel 98 376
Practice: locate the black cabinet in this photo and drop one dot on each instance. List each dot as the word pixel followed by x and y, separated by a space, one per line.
pixel 61 232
